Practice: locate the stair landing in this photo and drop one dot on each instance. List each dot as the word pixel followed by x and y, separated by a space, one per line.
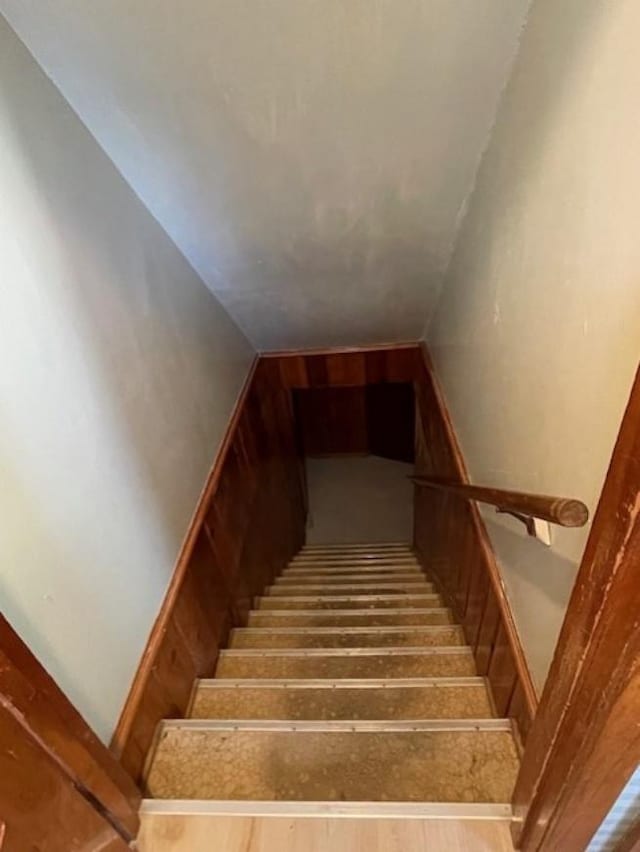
pixel 194 833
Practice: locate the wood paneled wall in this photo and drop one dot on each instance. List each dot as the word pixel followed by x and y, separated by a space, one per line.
pixel 363 420
pixel 248 524
pixel 348 367
pixel 452 543
pixel 332 421
pixel 60 787
pixel 353 402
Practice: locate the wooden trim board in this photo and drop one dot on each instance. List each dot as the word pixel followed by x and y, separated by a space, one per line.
pixel 59 785
pixel 339 350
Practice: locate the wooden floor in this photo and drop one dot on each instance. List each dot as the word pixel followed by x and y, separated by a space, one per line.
pixel 278 834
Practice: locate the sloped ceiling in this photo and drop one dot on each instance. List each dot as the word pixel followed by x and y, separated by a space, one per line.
pixel 311 158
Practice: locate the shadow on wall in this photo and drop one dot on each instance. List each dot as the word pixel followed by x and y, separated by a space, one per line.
pixel 118 374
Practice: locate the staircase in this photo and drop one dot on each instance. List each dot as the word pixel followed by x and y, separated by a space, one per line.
pixel 351 690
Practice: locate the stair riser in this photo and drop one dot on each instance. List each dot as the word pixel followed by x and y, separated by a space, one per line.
pixel 332 578
pixel 351 560
pixel 353 602
pixel 381 547
pixel 447 636
pixel 328 589
pixel 388 702
pixel 407 766
pixel 335 667
pixel 372 618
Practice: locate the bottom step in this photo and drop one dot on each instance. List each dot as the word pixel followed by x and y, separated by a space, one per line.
pixel 248 830
pixel 414 762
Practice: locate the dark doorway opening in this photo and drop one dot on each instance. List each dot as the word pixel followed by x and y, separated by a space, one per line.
pixel 374 419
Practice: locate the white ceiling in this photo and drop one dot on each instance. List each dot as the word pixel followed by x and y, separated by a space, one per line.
pixel 311 158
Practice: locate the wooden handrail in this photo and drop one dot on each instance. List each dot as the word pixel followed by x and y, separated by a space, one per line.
pixel 557 510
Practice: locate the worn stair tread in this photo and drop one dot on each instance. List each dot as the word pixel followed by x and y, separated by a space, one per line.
pixel 364 545
pixel 412 600
pixel 345 637
pixel 350 618
pixel 334 765
pixel 281 602
pixel 356 561
pixel 339 575
pixel 333 663
pixel 357 555
pixel 419 586
pixel 420 698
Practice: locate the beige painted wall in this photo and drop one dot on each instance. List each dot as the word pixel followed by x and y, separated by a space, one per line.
pixel 537 334
pixel 118 372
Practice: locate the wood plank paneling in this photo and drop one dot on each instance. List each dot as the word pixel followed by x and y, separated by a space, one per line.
pixel 502 674
pixel 61 736
pixel 359 420
pixel 353 401
pixel 332 421
pixel 42 807
pixel 249 521
pixel 488 632
pixel 518 710
pixel 585 741
pixel 452 543
pixel 347 367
